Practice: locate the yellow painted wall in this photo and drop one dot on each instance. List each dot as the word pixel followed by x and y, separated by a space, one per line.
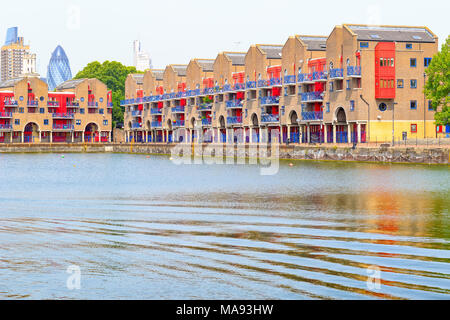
pixel 382 131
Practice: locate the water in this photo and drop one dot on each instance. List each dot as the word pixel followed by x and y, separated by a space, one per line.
pixel 141 227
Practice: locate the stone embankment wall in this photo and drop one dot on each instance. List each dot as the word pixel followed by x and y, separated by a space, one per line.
pixel 363 154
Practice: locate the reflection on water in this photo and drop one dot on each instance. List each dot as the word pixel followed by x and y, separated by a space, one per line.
pixel 144 228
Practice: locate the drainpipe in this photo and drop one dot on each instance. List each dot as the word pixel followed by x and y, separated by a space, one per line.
pixel 368 116
pixel 424 107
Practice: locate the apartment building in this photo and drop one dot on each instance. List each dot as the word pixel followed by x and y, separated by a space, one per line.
pixel 358 84
pixel 77 111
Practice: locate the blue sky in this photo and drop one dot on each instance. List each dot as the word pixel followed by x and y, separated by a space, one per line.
pixel 176 31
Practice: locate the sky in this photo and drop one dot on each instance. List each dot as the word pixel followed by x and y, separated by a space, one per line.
pixel 175 31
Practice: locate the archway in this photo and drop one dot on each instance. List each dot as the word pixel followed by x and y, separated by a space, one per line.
pixel 341 126
pixel 91 133
pixel 254 130
pixel 222 130
pixel 294 129
pixel 31 132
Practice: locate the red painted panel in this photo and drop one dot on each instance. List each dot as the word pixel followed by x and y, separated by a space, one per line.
pixel 385 70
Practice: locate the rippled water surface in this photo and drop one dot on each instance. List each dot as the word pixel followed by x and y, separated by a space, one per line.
pixel 143 228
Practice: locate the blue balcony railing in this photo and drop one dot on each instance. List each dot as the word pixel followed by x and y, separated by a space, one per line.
pixel 305 77
pixel 319 75
pixel 10 103
pixel 227 87
pixel 234 120
pixel 289 79
pixel 5 114
pixel 178 109
pixel 178 123
pixel 312 115
pixel 67 115
pixel 156 124
pixel 270 100
pixel 275 81
pixel 353 71
pixel 234 104
pixel 74 104
pixel 312 96
pixel 156 111
pixel 63 127
pixel 136 113
pixel 262 83
pixel 205 106
pixel 52 103
pixel 32 103
pixel 268 118
pixel 5 126
pixel 251 84
pixel 92 104
pixel 206 121
pixel 336 73
pixel 136 125
pixel 110 104
pixel 239 87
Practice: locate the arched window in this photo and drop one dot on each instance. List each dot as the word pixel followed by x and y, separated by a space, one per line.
pixel 331 65
pixel 348 62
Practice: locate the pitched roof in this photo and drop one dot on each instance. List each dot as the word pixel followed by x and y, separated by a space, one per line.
pixel 138 77
pixel 70 84
pixel 392 33
pixel 271 51
pixel 159 74
pixel 10 83
pixel 206 64
pixel 314 43
pixel 237 58
pixel 180 69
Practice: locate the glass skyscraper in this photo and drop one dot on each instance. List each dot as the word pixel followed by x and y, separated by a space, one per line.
pixel 58 70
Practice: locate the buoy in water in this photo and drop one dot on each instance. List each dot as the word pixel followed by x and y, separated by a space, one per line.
pixel 62 156
pixel 291 164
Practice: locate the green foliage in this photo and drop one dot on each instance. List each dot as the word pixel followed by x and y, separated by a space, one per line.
pixel 113 74
pixel 207 99
pixel 437 88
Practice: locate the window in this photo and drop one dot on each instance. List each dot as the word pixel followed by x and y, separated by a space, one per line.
pixel 100 111
pixel 81 110
pixel 382 107
pixel 413 105
pixel 413 84
pixel 413 128
pixel 430 106
pixel 331 86
pixel 21 110
pixel 41 110
pixel 409 46
pixel 328 107
pixel 105 122
pixel 413 62
pixel 400 83
pixel 352 105
pixel 348 85
pixel 17 121
pixel 46 122
pixel 78 122
pixel 363 44
pixel 426 62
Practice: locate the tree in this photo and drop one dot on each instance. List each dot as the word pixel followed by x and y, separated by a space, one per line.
pixel 113 74
pixel 437 88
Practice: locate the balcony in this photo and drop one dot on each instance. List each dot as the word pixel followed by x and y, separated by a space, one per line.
pixel 315 96
pixel 270 118
pixel 67 115
pixel 263 84
pixel 205 107
pixel 63 127
pixel 234 104
pixel 274 82
pixel 92 104
pixel 136 113
pixel 5 114
pixel 53 104
pixel 156 124
pixel 319 76
pixel 251 84
pixel 73 104
pixel 305 78
pixel 5 127
pixel 178 109
pixel 312 115
pixel 32 103
pixel 290 79
pixel 270 100
pixel 354 71
pixel 178 123
pixel 206 121
pixel 10 103
pixel 110 104
pixel 227 87
pixel 156 111
pixel 136 125
pixel 208 91
pixel 337 74
pixel 239 87
pixel 234 120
